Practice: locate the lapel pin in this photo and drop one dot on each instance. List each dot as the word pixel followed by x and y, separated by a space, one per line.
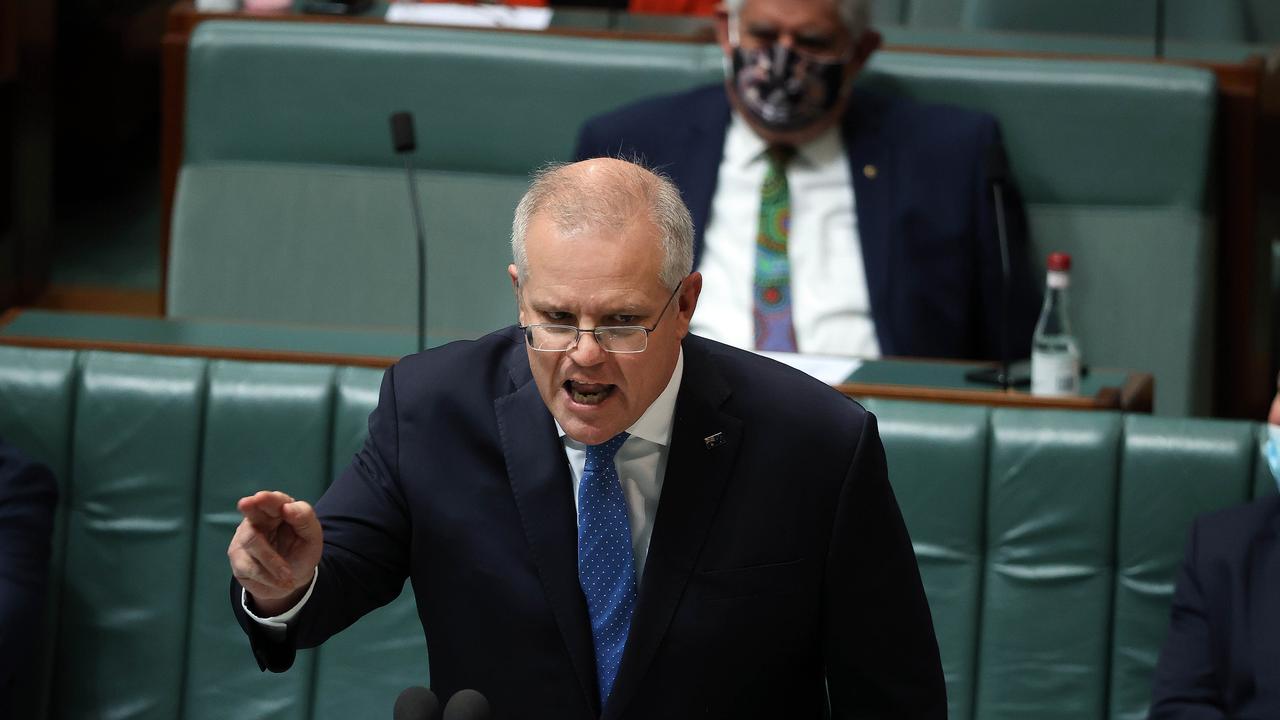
pixel 870 171
pixel 714 441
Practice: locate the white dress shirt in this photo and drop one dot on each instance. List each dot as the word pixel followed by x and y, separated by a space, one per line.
pixel 641 464
pixel 830 304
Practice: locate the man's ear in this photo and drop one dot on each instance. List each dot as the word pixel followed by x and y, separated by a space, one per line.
pixel 870 41
pixel 687 301
pixel 514 273
pixel 722 29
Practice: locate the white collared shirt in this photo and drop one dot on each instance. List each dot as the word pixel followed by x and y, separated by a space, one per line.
pixel 830 305
pixel 641 464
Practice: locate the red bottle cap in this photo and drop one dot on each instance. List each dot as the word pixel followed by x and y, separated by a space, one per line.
pixel 1059 262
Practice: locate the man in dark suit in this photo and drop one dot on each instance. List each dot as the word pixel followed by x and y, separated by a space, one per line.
pixel 892 245
pixel 28 495
pixel 603 515
pixel 1221 658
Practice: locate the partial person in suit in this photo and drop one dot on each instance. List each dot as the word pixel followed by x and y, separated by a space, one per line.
pixel 1221 658
pixel 603 515
pixel 831 219
pixel 28 496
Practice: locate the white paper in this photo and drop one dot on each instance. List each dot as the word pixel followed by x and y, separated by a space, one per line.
pixel 489 16
pixel 830 369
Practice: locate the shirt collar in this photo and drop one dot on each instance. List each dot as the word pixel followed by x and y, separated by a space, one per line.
pixel 743 147
pixel 655 424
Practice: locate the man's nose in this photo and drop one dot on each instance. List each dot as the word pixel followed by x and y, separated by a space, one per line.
pixel 587 351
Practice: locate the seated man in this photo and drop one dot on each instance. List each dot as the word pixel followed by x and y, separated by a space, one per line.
pixel 28 496
pixel 1222 656
pixel 603 515
pixel 829 219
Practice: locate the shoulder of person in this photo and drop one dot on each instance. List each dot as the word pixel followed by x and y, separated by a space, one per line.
pixel 763 384
pixel 19 475
pixel 923 122
pixel 641 114
pixel 494 364
pixel 1231 530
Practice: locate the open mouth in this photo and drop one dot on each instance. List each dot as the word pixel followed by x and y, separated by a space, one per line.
pixel 588 393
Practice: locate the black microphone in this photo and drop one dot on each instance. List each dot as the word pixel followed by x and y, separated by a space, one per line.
pixel 416 703
pixel 403 142
pixel 998 177
pixel 467 705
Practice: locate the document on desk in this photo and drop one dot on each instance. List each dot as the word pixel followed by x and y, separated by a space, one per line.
pixel 830 369
pixel 487 16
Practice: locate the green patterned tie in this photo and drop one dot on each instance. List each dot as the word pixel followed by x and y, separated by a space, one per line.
pixel 772 315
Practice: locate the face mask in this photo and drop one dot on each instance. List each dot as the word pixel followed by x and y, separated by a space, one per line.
pixel 785 90
pixel 1272 451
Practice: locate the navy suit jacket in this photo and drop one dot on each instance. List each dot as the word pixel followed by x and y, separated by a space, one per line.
pixel 778 560
pixel 1222 656
pixel 925 215
pixel 28 495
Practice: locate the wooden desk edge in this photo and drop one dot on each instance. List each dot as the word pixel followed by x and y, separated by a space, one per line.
pixel 209 352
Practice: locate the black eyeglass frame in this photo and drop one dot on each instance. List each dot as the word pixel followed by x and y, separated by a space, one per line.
pixel 599 332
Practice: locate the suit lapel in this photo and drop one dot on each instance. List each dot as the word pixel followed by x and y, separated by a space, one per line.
pixel 542 486
pixel 698 468
pixel 696 166
pixel 871 164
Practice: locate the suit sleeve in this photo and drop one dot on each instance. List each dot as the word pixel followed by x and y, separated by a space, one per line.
pixel 28 496
pixel 1186 686
pixel 366 525
pixel 1024 295
pixel 880 650
pixel 588 144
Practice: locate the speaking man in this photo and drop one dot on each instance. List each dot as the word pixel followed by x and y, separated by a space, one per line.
pixel 603 515
pixel 831 219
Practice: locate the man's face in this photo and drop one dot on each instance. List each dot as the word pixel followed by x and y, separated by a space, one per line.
pixel 594 278
pixel 812 28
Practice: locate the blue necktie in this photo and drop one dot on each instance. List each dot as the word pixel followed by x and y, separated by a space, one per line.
pixel 605 566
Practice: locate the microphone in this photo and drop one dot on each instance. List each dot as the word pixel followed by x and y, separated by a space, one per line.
pixel 416 703
pixel 998 176
pixel 467 705
pixel 402 141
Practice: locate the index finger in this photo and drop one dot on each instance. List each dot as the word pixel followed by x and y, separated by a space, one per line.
pixel 263 507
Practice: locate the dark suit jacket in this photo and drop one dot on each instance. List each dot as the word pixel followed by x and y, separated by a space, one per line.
pixel 28 495
pixel 925 219
pixel 1222 656
pixel 778 557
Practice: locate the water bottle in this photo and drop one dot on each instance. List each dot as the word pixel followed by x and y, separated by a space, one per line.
pixel 1055 353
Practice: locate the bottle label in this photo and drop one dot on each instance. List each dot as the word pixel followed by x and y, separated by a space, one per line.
pixel 1055 374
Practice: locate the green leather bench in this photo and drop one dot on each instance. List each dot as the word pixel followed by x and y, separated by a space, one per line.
pixel 1220 21
pixel 291 206
pixel 1047 540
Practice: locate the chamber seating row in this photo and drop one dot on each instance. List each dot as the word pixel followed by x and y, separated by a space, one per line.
pixel 1048 540
pixel 1222 21
pixel 292 208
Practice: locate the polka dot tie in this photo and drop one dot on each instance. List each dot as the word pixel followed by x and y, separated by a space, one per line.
pixel 772 311
pixel 605 566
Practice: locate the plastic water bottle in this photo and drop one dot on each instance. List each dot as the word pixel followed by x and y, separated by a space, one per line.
pixel 1055 353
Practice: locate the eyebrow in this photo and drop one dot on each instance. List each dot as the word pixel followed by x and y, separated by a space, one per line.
pixel 627 309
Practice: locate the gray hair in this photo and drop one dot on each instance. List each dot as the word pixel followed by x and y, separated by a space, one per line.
pixel 610 197
pixel 855 14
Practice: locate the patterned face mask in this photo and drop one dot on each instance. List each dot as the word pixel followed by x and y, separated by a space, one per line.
pixel 785 90
pixel 1271 449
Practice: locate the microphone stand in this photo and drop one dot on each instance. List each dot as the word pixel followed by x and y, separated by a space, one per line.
pixel 402 139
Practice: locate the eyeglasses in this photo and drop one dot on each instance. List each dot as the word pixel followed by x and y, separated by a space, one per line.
pixel 612 338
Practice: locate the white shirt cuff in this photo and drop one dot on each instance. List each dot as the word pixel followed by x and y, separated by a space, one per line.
pixel 281 621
